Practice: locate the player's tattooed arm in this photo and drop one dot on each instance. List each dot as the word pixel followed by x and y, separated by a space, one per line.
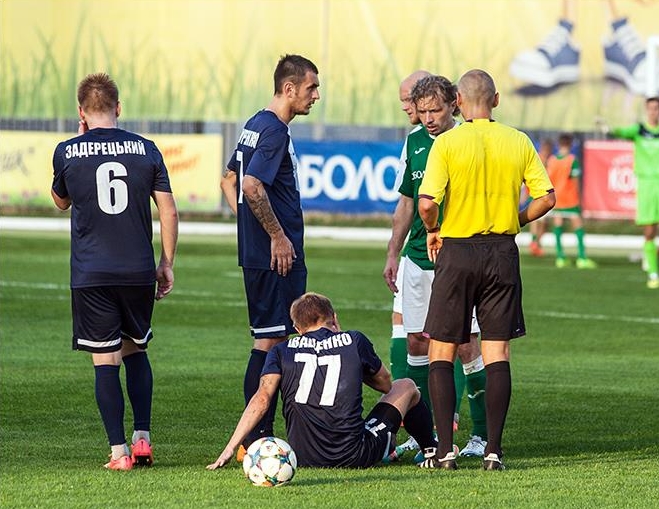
pixel 282 252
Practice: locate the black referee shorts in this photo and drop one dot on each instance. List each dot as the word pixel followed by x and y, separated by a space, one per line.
pixel 482 272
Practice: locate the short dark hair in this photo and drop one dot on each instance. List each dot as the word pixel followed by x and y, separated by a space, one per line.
pixel 650 99
pixel 292 68
pixel 309 309
pixel 98 93
pixel 435 87
pixel 565 140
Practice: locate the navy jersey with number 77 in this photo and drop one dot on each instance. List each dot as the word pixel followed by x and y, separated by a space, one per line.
pixel 110 174
pixel 265 151
pixel 322 373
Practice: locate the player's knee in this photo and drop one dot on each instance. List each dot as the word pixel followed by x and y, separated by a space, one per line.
pixel 408 387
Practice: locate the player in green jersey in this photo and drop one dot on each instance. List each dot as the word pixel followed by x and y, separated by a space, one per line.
pixel 434 99
pixel 645 136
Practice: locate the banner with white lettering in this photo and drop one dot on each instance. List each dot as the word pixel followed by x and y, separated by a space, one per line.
pixel 609 185
pixel 348 177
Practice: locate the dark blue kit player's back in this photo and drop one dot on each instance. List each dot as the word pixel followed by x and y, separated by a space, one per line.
pixel 110 174
pixel 322 375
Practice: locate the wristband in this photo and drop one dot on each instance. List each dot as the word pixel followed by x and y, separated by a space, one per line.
pixel 432 230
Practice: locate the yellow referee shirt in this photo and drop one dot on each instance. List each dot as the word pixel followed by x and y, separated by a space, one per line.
pixel 478 169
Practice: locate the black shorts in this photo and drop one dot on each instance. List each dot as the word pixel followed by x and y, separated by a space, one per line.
pixel 269 299
pixel 380 426
pixel 482 272
pixel 104 315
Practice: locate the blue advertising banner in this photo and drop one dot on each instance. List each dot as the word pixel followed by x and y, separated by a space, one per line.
pixel 348 177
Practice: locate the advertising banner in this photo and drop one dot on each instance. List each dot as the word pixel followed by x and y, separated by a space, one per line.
pixel 348 177
pixel 556 68
pixel 609 183
pixel 193 162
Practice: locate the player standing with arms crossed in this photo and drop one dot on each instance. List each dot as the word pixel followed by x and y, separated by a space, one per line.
pixel 477 171
pixel 108 176
pixel 260 185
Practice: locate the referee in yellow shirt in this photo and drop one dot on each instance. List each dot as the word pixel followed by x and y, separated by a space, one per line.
pixel 477 169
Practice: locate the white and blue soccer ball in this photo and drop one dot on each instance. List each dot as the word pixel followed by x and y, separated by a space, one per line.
pixel 269 461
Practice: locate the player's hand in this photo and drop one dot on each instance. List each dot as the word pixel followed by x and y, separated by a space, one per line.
pixel 282 254
pixel 165 279
pixel 434 243
pixel 82 127
pixel 224 458
pixel 390 274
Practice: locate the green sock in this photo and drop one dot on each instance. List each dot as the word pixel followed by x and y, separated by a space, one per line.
pixel 650 253
pixel 398 357
pixel 558 231
pixel 420 376
pixel 476 396
pixel 460 381
pixel 581 248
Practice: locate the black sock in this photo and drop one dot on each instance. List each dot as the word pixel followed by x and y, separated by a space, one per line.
pixel 110 401
pixel 498 388
pixel 250 386
pixel 418 423
pixel 442 394
pixel 139 385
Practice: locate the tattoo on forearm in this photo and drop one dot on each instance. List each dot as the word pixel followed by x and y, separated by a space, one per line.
pixel 260 205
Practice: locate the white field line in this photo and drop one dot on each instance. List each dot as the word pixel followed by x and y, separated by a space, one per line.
pixel 220 300
pixel 627 242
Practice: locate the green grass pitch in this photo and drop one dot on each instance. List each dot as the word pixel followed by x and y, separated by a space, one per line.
pixel 581 431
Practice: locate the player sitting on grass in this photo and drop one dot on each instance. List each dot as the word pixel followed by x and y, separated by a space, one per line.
pixel 320 374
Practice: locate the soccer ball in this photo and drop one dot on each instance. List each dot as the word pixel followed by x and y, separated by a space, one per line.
pixel 269 461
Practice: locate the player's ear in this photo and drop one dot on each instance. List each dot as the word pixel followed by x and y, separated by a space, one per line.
pixel 335 323
pixel 81 113
pixel 495 102
pixel 289 88
pixel 118 108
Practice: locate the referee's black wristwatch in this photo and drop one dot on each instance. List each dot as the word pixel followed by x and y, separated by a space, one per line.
pixel 434 229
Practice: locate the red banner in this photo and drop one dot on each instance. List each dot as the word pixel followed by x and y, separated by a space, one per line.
pixel 609 183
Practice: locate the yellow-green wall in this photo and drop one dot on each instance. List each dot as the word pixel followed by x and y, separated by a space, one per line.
pixel 213 59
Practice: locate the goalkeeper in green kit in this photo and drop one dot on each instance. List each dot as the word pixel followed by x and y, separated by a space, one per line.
pixel 646 168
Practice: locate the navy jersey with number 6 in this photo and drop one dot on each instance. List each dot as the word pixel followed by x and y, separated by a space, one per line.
pixel 265 151
pixel 110 175
pixel 321 388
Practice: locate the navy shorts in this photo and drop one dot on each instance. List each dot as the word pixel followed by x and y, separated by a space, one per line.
pixel 482 272
pixel 269 299
pixel 104 315
pixel 381 425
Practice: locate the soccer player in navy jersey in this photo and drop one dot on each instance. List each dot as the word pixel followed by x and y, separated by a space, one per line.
pixel 321 373
pixel 108 177
pixel 260 185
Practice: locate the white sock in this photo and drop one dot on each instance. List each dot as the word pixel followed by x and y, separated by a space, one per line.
pixel 418 360
pixel 139 434
pixel 474 366
pixel 119 450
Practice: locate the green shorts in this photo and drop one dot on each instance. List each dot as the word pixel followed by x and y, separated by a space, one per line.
pixel 567 212
pixel 647 201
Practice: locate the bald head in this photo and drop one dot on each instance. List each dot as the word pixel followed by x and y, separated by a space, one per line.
pixel 405 93
pixel 477 94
